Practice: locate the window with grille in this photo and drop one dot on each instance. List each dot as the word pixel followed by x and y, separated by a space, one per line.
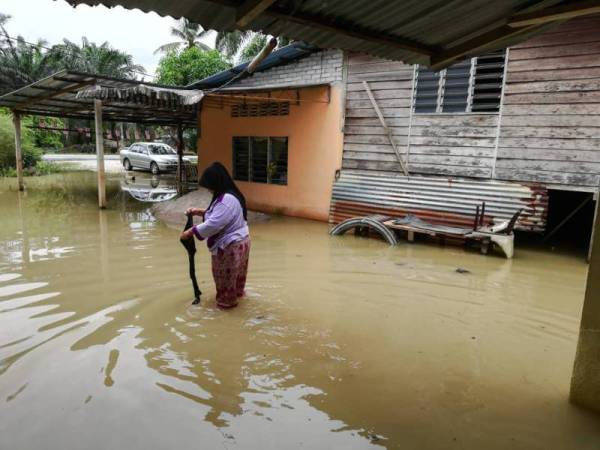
pixel 474 85
pixel 260 159
pixel 260 109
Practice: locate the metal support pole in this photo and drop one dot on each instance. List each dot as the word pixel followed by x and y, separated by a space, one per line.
pixel 18 153
pixel 179 158
pixel 100 153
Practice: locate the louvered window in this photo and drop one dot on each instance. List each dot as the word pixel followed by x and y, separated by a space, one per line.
pixel 487 84
pixel 428 90
pixel 262 109
pixel 455 95
pixel 260 159
pixel 474 85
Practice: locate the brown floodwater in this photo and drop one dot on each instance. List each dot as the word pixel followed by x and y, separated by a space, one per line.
pixel 342 343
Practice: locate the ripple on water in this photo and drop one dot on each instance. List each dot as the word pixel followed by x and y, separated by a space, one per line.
pixel 341 343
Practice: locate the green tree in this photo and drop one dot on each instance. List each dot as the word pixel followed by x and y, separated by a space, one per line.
pixel 253 47
pixel 188 33
pixel 31 155
pixel 45 138
pixel 189 65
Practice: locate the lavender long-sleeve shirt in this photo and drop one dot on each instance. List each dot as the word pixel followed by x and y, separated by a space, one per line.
pixel 223 224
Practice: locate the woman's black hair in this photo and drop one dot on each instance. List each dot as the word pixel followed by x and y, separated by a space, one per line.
pixel 216 178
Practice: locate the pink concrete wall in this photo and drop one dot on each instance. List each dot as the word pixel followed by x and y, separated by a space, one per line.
pixel 315 144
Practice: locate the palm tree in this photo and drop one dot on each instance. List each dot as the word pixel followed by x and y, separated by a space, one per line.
pixel 242 46
pixel 92 58
pixel 4 18
pixel 188 33
pixel 230 42
pixel 21 63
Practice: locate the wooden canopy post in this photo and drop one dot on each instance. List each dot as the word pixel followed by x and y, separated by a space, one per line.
pixel 179 158
pixel 585 382
pixel 18 153
pixel 100 153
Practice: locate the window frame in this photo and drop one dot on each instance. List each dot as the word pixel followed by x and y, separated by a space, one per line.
pixel 470 95
pixel 249 168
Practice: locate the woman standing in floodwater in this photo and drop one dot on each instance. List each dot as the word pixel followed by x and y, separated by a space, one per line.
pixel 226 229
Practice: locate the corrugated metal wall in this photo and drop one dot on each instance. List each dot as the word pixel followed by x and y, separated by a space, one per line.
pixel 448 201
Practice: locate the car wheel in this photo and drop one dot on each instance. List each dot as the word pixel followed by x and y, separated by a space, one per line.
pixel 127 164
pixel 154 168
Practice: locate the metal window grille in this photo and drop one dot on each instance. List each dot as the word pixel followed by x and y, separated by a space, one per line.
pixel 260 159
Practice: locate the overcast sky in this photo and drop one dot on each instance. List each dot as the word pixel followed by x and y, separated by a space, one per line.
pixel 132 31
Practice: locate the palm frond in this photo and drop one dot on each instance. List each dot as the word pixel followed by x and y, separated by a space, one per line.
pixel 166 48
pixel 230 42
pixel 203 46
pixel 4 18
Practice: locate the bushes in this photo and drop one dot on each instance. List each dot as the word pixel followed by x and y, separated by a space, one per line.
pixel 31 154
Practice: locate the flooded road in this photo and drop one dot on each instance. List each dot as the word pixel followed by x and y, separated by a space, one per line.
pixel 342 343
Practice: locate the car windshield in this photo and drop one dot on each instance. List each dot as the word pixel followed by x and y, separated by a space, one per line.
pixel 161 150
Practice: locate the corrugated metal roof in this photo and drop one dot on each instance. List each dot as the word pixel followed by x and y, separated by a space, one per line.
pixel 67 94
pixel 409 30
pixel 440 200
pixel 284 55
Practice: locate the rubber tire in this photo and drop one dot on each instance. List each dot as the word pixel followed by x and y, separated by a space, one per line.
pixel 154 168
pixel 368 222
pixel 127 165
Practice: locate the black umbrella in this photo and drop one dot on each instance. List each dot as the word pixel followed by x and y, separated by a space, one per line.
pixel 190 246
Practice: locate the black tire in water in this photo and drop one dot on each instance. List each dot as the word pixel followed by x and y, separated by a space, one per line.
pixel 154 168
pixel 127 165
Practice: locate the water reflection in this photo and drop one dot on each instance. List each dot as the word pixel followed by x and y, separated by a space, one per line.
pixel 145 188
pixel 341 343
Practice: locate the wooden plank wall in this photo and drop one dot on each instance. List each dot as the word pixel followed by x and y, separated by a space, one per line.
pixel 453 144
pixel 365 144
pixel 550 121
pixel 445 144
pixel 550 126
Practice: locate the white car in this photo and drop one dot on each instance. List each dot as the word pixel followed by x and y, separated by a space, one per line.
pixel 153 156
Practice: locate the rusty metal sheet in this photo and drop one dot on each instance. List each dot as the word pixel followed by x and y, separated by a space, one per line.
pixel 437 199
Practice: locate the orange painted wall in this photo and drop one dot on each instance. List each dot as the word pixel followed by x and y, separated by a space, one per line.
pixel 315 142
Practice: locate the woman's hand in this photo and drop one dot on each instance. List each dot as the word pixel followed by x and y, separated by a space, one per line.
pixel 187 234
pixel 194 211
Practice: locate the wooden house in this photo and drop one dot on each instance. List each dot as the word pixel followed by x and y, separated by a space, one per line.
pixel 511 128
